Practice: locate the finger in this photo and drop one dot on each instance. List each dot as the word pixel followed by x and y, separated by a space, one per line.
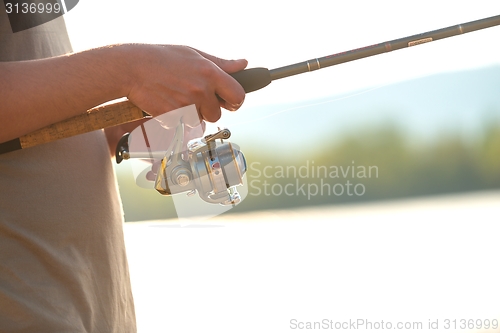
pixel 227 88
pixel 210 109
pixel 230 107
pixel 230 91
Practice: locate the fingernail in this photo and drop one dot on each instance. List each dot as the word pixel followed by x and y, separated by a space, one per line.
pixel 231 107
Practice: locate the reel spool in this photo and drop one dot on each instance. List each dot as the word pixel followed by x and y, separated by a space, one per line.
pixel 210 167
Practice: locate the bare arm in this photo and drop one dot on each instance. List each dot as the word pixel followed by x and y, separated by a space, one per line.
pixel 157 78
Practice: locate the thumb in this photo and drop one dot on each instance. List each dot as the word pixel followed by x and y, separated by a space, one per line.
pixel 232 66
pixel 228 66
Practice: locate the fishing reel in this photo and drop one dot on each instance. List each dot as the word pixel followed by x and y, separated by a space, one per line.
pixel 209 166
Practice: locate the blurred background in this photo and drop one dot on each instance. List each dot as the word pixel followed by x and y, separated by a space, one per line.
pixel 416 134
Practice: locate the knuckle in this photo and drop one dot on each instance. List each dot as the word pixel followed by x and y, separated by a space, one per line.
pixel 207 69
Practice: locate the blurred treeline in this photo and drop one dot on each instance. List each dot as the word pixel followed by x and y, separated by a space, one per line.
pixel 406 168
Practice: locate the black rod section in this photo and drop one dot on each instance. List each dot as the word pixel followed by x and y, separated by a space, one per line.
pixel 367 51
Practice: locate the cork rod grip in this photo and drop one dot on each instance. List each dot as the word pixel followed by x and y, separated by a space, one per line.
pixel 94 119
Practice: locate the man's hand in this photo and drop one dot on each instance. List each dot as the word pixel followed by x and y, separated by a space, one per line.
pixel 157 78
pixel 167 77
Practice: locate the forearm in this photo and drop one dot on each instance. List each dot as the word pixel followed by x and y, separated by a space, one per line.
pixel 38 93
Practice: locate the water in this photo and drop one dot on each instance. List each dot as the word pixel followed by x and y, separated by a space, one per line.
pixel 414 261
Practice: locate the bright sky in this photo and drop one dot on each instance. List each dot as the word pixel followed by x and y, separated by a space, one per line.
pixel 278 33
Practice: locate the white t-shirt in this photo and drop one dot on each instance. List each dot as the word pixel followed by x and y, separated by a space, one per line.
pixel 63 266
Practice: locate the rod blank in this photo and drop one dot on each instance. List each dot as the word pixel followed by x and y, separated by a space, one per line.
pixel 368 51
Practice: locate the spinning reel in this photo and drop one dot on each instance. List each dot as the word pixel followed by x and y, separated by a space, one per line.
pixel 209 166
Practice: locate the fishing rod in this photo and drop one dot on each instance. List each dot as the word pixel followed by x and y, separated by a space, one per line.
pixel 257 78
pixel 250 79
